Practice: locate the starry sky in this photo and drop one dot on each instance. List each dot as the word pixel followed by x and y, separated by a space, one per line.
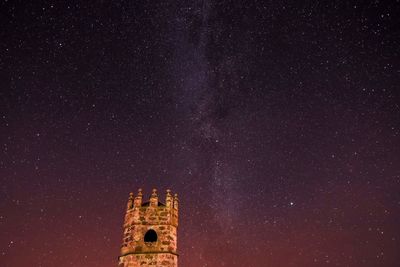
pixel 277 122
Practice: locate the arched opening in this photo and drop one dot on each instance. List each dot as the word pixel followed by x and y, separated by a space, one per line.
pixel 150 236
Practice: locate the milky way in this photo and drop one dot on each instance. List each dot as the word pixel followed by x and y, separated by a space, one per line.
pixel 278 123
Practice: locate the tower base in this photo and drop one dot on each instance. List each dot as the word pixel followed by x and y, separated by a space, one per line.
pixel 148 259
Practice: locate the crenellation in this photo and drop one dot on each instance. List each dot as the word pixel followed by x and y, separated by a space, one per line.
pixel 169 199
pixel 154 198
pixel 129 205
pixel 138 199
pixel 176 202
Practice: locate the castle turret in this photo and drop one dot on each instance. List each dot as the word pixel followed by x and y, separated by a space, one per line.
pixel 150 231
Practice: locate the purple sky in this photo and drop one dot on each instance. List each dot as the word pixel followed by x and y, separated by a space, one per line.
pixel 277 122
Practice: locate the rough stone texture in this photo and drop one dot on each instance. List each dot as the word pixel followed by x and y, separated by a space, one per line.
pixel 141 217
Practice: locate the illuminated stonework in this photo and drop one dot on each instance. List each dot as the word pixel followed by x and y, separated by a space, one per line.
pixel 150 232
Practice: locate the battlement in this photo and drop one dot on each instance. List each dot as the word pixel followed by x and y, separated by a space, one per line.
pixel 150 227
pixel 137 202
pixel 152 211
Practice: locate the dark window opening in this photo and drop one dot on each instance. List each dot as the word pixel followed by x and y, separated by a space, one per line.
pixel 150 236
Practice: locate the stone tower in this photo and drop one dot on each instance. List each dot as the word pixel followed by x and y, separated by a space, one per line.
pixel 150 232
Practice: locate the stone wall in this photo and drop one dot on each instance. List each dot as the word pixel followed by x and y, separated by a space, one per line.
pixel 154 260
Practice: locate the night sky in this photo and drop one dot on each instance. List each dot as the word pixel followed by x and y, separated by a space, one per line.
pixel 277 122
